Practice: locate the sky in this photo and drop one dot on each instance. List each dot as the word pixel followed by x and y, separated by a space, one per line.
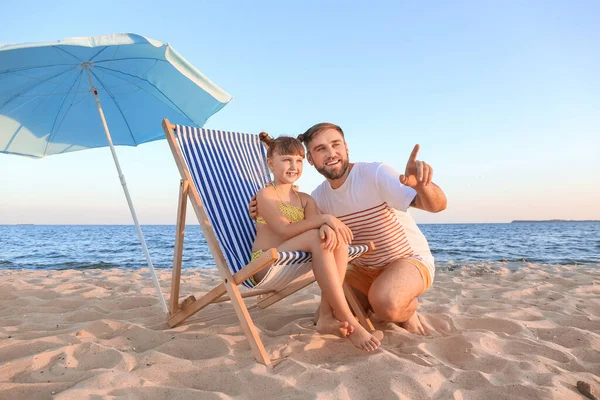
pixel 503 98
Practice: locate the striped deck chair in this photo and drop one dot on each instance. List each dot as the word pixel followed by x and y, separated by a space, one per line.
pixel 220 172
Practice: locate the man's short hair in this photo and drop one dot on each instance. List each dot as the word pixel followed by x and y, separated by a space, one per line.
pixel 314 130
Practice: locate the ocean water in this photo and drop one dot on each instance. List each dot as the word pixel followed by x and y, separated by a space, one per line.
pixel 109 246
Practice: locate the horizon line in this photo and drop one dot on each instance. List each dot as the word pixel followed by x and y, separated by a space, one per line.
pixel 418 223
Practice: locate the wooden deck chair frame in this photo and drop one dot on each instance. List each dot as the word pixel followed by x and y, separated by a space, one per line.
pixel 178 313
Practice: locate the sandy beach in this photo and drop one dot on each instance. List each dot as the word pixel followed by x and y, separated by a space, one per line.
pixel 498 332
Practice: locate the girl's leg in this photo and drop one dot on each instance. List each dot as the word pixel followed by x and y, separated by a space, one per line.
pixel 341 260
pixel 327 274
pixel 327 322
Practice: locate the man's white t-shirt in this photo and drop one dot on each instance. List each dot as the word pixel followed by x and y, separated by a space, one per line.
pixel 373 203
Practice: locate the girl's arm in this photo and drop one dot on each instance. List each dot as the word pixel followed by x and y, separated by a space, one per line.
pixel 311 210
pixel 310 206
pixel 268 208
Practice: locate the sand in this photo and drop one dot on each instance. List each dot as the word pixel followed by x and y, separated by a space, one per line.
pixel 499 331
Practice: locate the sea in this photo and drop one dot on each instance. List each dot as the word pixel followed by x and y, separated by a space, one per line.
pixel 51 247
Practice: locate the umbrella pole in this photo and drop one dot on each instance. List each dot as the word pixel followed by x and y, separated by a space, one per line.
pixel 124 185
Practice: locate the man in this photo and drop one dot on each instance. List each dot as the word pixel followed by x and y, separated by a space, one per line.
pixel 372 200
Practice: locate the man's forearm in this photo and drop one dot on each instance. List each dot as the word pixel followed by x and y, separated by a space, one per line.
pixel 430 198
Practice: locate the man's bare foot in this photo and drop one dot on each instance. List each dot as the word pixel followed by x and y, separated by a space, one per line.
pixel 413 325
pixel 327 325
pixel 362 339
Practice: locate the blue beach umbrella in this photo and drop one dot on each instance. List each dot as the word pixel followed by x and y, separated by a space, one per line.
pixel 57 97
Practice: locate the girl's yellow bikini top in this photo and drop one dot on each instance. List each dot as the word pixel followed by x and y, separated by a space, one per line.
pixel 292 213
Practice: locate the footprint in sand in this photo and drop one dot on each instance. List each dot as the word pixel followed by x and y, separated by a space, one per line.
pixel 496 325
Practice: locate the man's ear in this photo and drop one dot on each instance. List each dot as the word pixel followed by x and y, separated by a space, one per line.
pixel 309 159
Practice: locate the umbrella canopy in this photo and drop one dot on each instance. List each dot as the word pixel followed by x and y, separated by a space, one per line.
pixel 53 96
pixel 45 102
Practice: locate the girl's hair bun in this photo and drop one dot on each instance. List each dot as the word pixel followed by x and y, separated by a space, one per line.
pixel 265 138
pixel 282 145
pixel 301 137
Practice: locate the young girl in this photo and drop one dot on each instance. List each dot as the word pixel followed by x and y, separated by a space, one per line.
pixel 289 220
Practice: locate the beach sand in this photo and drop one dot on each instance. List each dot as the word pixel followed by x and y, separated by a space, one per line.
pixel 529 333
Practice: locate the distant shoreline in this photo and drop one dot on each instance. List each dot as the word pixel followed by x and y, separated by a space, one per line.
pixel 518 221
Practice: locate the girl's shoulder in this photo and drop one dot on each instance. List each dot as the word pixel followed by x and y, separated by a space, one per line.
pixel 303 195
pixel 266 192
pixel 305 198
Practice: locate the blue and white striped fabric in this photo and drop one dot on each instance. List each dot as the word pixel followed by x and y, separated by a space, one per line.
pixel 296 265
pixel 228 168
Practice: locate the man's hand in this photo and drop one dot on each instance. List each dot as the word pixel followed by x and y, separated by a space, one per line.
pixel 418 175
pixel 417 172
pixel 341 230
pixel 328 235
pixel 253 207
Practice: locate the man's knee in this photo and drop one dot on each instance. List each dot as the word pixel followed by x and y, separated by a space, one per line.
pixel 393 308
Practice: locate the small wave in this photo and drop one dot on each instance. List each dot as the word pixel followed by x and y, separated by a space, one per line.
pixel 538 260
pixel 84 265
pixel 4 263
pixel 54 255
pixel 446 268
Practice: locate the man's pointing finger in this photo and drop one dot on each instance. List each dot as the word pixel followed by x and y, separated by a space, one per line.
pixel 415 151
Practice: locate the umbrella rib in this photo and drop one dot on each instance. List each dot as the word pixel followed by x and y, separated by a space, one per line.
pixel 117 105
pixel 111 57
pixel 32 87
pixel 98 53
pixel 130 58
pixel 10 71
pixel 36 78
pixel 53 131
pixel 72 55
pixel 149 83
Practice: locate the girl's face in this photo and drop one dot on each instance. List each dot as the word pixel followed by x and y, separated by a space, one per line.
pixel 285 169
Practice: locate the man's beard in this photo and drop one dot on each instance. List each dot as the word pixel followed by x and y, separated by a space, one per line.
pixel 333 174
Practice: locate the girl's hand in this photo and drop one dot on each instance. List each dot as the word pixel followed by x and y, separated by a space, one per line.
pixel 343 232
pixel 253 208
pixel 328 235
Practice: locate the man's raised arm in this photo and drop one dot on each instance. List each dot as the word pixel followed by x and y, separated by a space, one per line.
pixel 418 175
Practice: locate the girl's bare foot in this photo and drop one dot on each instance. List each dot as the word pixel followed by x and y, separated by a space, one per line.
pixel 362 339
pixel 327 324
